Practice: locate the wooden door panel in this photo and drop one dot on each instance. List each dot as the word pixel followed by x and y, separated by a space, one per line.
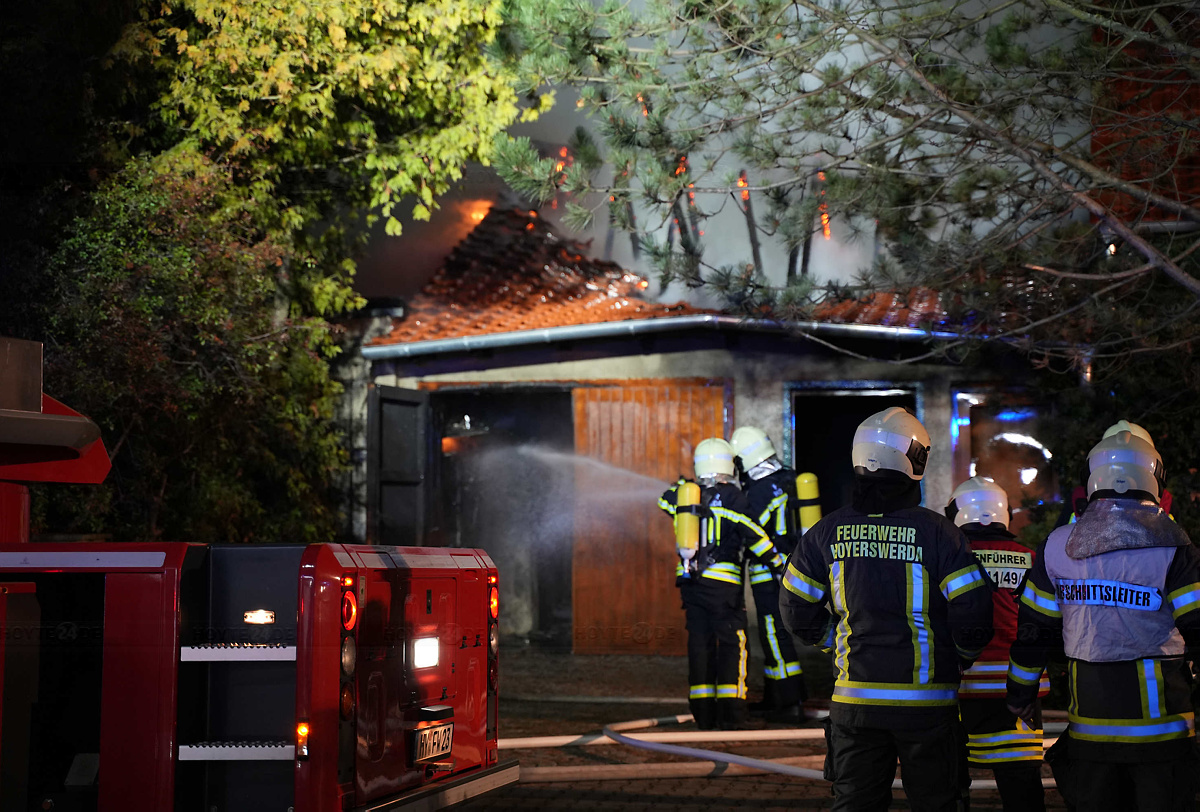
pixel 623 583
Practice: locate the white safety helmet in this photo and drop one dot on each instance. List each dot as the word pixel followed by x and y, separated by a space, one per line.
pixel 891 440
pixel 752 445
pixel 1132 428
pixel 979 500
pixel 713 457
pixel 1125 460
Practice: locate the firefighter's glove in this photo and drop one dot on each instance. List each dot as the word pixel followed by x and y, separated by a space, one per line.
pixel 1025 712
pixel 777 565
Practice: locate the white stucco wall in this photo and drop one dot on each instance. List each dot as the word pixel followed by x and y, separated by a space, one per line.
pixel 760 382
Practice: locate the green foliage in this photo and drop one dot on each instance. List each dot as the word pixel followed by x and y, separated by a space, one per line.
pixel 330 107
pixel 246 145
pixel 163 328
pixel 1156 390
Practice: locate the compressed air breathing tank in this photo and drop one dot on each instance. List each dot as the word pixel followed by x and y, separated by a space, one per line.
pixel 687 524
pixel 809 497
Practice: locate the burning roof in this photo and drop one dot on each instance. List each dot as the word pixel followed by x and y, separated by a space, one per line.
pixel 514 272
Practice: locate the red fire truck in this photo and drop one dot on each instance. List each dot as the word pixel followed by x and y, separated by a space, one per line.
pixel 223 678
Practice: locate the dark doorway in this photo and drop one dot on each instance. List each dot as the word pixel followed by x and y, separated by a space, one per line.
pixel 505 484
pixel 823 424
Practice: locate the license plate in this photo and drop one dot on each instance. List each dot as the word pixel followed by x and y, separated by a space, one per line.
pixel 434 741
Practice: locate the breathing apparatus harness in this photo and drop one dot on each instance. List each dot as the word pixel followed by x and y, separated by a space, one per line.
pixel 691 513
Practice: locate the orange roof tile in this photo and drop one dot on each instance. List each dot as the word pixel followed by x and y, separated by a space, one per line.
pixel 514 272
pixel 916 308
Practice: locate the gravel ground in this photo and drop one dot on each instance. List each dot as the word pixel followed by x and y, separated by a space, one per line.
pixel 554 693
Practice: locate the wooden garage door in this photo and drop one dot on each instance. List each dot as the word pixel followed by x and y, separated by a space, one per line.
pixel 624 598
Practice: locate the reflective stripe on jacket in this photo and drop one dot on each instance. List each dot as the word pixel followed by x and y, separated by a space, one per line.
pixel 900 600
pixel 1123 617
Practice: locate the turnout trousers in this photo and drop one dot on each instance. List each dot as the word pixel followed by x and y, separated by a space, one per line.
pixel 1163 786
pixel 861 763
pixel 1006 745
pixel 716 626
pixel 783 679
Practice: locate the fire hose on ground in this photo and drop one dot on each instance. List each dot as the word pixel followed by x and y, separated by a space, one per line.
pixel 710 763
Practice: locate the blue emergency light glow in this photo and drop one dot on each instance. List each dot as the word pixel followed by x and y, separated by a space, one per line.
pixel 1016 415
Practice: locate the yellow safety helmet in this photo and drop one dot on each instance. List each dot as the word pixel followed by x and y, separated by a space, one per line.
pixel 978 500
pixel 752 445
pixel 712 457
pixel 891 440
pixel 1124 460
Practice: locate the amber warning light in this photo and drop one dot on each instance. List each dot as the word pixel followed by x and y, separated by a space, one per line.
pixel 259 617
pixel 302 740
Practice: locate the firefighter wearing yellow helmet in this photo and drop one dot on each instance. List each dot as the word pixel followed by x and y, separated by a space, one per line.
pixel 1119 591
pixel 893 590
pixel 996 738
pixel 771 501
pixel 709 577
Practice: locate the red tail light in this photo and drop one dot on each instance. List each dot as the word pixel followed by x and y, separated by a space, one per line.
pixel 349 611
pixel 494 602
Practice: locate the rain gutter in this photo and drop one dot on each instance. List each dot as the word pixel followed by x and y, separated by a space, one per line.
pixel 637 327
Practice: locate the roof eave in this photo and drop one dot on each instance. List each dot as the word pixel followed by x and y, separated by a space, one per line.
pixel 634 327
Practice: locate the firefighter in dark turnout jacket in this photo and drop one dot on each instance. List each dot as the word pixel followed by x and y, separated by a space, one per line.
pixel 710 584
pixel 770 490
pixel 910 605
pixel 1119 590
pixel 996 737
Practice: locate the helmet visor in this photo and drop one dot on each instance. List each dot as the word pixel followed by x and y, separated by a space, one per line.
pixel 918 455
pixel 1150 462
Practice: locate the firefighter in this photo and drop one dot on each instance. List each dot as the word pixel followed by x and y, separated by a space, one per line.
pixel 771 501
pixel 1119 590
pixel 894 591
pixel 709 578
pixel 996 738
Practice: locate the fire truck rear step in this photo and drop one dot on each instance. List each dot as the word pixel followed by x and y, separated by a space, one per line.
pixel 245 653
pixel 237 751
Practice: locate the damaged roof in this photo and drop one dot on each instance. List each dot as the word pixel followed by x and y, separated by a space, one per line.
pixel 515 273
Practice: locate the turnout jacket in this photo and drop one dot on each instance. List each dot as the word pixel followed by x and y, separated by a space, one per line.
pixel 1006 562
pixel 901 601
pixel 772 503
pixel 726 532
pixel 1119 593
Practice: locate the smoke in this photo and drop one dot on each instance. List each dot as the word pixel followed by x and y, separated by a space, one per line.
pixel 535 496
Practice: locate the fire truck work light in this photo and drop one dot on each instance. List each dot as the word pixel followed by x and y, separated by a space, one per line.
pixel 349 611
pixel 259 616
pixel 302 740
pixel 425 652
pixel 494 602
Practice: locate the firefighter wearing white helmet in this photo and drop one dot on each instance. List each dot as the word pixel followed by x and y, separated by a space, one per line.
pixel 1119 592
pixel 1125 461
pixel 996 738
pixel 710 583
pixel 891 440
pixel 894 591
pixel 770 490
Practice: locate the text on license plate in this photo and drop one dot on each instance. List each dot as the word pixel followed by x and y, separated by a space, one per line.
pixel 434 741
